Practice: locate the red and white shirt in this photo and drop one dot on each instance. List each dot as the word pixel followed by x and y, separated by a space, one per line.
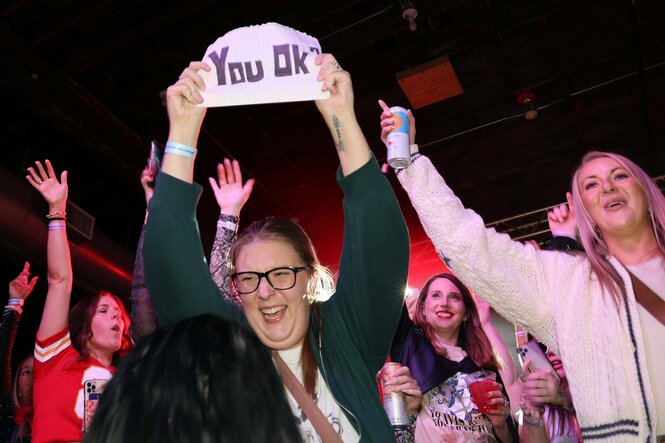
pixel 60 373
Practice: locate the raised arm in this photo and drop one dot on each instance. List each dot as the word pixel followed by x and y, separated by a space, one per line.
pixel 375 256
pixel 519 281
pixel 508 370
pixel 177 275
pixel 185 120
pixel 339 115
pixel 144 319
pixel 59 263
pixel 231 195
pixel 19 289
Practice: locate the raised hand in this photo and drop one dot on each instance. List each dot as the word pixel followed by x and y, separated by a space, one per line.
pixel 146 179
pixel 388 123
pixel 229 190
pixel 46 182
pixel 338 83
pixel 484 310
pixel 561 219
pixel 185 117
pixel 22 285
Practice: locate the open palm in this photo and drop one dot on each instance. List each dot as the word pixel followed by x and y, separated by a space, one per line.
pixel 46 182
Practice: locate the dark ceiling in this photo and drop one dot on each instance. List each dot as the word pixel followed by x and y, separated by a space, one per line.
pixel 82 83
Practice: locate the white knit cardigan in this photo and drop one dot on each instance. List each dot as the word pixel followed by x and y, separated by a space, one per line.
pixel 555 297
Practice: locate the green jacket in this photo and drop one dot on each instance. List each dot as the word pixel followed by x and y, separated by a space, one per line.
pixel 359 320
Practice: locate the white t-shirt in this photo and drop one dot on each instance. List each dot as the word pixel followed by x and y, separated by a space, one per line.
pixel 652 274
pixel 323 399
pixel 448 415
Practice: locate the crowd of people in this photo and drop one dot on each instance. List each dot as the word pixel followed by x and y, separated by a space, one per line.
pixel 263 345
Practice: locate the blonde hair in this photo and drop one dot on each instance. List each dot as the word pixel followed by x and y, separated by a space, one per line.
pixel 590 236
pixel 320 285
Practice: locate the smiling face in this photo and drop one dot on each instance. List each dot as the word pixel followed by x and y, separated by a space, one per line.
pixel 613 198
pixel 280 318
pixel 443 308
pixel 107 326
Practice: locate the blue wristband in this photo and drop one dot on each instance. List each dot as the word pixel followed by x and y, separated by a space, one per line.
pixel 180 149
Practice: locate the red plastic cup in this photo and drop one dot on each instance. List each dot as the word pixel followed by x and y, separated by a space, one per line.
pixel 480 383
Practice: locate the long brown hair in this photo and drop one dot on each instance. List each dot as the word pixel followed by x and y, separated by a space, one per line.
pixel 471 337
pixel 80 324
pixel 319 287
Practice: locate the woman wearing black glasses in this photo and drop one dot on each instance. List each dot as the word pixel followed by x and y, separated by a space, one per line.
pixel 334 348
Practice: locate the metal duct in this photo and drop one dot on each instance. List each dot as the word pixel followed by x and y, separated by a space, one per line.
pixel 99 264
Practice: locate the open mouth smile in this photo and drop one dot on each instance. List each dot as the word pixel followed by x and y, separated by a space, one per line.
pixel 273 312
pixel 444 314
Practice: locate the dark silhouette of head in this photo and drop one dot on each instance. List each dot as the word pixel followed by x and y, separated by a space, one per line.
pixel 204 379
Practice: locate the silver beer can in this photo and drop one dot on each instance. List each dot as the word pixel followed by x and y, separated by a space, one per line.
pixel 393 402
pixel 397 140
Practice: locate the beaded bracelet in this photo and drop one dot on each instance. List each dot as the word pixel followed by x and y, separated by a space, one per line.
pixel 57 216
pixel 15 302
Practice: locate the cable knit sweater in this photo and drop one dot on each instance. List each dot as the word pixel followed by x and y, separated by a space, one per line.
pixel 555 297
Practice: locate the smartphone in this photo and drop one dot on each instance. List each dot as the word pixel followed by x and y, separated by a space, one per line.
pixel 539 360
pixel 93 389
pixel 155 158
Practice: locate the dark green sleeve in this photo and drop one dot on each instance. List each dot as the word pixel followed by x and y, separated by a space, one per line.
pixel 176 272
pixel 374 262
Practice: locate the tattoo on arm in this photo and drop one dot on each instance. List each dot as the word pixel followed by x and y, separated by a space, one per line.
pixel 339 143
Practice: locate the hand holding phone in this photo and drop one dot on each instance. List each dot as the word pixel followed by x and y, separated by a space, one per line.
pixel 155 159
pixel 93 389
pixel 537 358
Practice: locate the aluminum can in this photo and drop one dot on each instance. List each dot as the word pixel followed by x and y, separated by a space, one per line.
pixel 393 402
pixel 397 141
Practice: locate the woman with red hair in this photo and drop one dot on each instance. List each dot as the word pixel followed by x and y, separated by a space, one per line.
pixel 441 346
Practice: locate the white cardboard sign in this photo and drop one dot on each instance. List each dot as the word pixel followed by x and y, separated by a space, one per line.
pixel 267 63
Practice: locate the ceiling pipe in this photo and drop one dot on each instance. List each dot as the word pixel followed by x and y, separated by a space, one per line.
pixel 98 264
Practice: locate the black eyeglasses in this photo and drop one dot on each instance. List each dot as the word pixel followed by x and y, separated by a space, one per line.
pixel 278 278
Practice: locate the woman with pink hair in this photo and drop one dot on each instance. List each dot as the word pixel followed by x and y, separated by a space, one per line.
pixel 582 306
